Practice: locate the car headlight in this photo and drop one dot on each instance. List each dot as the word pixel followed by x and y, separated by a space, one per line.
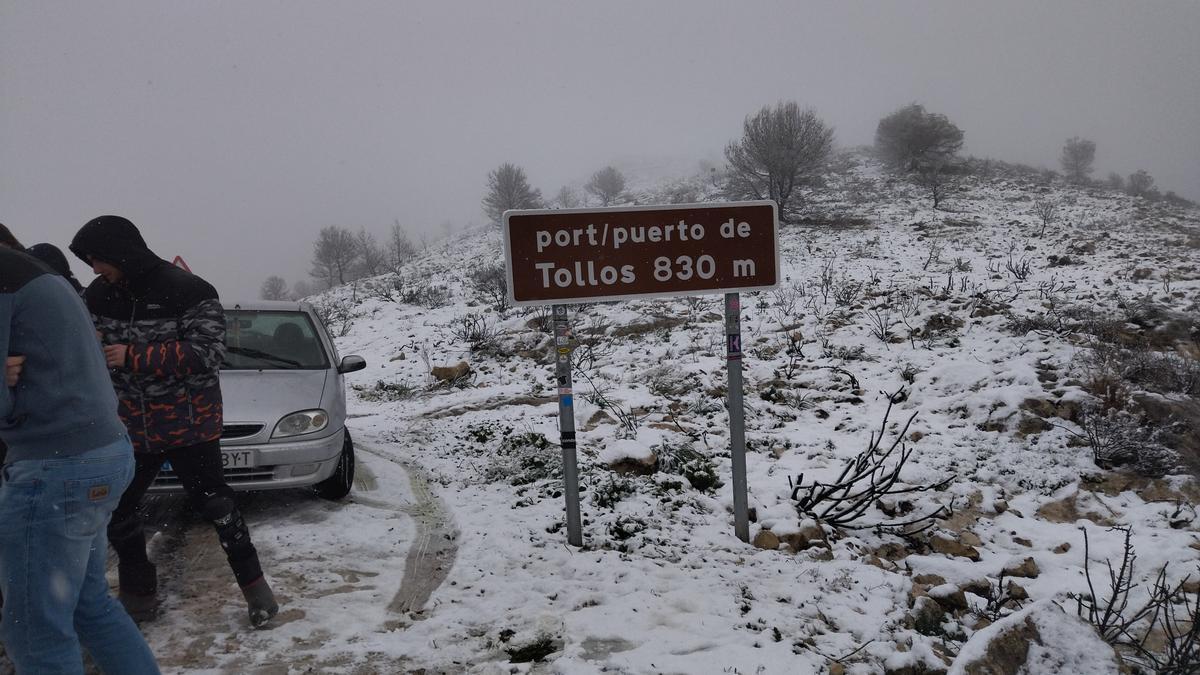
pixel 299 423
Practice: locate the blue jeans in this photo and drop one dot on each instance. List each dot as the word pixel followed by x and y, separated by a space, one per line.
pixel 53 549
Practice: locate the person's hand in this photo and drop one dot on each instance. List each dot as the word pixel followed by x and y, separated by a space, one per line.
pixel 12 370
pixel 116 355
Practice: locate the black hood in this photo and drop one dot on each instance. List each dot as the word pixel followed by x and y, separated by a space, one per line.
pixel 116 241
pixel 55 260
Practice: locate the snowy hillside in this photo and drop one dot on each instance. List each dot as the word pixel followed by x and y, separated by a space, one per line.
pixel 1005 359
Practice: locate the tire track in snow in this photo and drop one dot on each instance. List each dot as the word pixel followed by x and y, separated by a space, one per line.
pixel 435 546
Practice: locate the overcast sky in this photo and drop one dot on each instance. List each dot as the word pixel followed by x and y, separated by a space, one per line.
pixel 231 132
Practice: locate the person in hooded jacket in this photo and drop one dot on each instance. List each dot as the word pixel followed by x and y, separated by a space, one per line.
pixel 7 240
pixel 163 331
pixel 69 459
pixel 55 260
pixel 52 257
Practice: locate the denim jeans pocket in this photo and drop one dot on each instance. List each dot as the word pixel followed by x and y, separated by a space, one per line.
pixel 90 501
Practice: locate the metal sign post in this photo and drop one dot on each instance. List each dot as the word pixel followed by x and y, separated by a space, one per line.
pixel 566 423
pixel 737 426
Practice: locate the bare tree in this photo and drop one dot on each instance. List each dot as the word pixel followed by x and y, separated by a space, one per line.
pixel 400 248
pixel 372 259
pixel 1140 183
pixel 567 198
pixel 274 288
pixel 334 254
pixel 936 181
pixel 781 148
pixel 508 188
pixel 912 138
pixel 607 184
pixel 1077 157
pixel 1047 211
pixel 302 289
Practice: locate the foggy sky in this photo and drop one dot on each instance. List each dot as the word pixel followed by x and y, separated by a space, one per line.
pixel 232 132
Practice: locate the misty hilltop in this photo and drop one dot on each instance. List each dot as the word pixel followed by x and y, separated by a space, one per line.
pixel 1016 384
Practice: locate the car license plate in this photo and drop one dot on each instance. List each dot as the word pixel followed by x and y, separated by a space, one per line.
pixel 237 459
pixel 230 459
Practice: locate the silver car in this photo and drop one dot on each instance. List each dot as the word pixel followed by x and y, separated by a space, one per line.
pixel 285 403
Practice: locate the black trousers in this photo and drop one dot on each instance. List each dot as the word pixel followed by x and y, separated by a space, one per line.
pixel 200 472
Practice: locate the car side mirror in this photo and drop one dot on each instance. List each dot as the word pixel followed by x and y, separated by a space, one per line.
pixel 351 364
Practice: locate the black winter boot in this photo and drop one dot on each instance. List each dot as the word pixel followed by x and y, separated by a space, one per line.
pixel 260 602
pixel 139 607
pixel 138 589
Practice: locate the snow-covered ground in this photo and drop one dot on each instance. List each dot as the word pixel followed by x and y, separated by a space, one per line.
pixel 470 471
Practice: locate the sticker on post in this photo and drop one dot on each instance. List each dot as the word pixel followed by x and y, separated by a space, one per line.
pixel 735 346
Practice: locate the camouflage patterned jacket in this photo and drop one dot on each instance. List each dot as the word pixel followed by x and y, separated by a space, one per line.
pixel 169 388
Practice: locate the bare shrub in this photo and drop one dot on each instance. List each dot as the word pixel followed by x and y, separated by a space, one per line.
pixel 491 283
pixel 387 288
pixel 785 303
pixel 909 372
pixel 669 381
pixel 865 480
pixel 476 332
pixel 1116 438
pixel 934 255
pixel 936 181
pixel 680 193
pixel 422 292
pixel 846 291
pixel 1162 634
pixel 338 315
pixel 1167 372
pixel 541 318
pixel 1162 372
pixel 794 350
pixel 386 391
pixel 697 307
pixel 881 323
pixel 1019 269
pixel 628 420
pixel 1047 212
pixel 1041 322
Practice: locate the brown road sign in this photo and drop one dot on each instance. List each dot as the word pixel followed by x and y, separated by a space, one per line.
pixel 614 253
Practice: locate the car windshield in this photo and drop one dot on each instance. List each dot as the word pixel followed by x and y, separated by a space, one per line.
pixel 272 340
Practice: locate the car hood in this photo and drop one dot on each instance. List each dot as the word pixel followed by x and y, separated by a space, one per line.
pixel 267 395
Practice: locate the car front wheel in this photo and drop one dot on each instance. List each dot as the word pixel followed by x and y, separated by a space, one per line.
pixel 338 485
